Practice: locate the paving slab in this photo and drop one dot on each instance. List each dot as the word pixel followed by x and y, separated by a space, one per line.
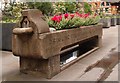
pixel 92 75
pixel 114 75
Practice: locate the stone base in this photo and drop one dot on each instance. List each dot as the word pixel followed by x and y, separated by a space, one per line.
pixel 48 68
pixel 43 67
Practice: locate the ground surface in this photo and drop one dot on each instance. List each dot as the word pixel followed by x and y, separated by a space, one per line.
pixel 76 72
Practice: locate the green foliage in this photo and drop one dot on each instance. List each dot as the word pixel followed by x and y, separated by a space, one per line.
pixel 12 12
pixel 65 7
pixel 75 22
pixel 87 8
pixel 70 7
pixel 45 7
pixel 118 16
pixel 92 20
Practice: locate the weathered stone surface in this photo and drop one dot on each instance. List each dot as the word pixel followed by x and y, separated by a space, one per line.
pixel 28 44
pixel 10 65
pixel 36 21
pixel 40 50
pixel 41 67
pixel 18 31
pixel 49 44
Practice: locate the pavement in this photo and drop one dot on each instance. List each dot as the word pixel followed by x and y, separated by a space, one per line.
pixel 76 72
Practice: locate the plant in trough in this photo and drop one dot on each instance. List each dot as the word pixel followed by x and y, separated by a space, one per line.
pixel 72 20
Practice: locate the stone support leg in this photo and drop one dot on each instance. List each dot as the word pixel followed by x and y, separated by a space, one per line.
pixel 42 67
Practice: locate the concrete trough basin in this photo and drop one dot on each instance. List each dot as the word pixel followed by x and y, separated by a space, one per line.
pixel 43 52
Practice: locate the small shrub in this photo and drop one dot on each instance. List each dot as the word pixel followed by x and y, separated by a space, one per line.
pixel 64 7
pixel 12 12
pixel 45 7
pixel 87 8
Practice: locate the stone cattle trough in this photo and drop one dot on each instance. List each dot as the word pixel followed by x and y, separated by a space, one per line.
pixel 46 53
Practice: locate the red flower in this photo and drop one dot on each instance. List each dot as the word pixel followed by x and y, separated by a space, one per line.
pixel 81 15
pixel 54 18
pixel 57 18
pixel 86 15
pixel 95 14
pixel 77 13
pixel 66 15
pixel 72 15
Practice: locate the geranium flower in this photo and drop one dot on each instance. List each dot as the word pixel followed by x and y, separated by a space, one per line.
pixel 95 14
pixel 73 20
pixel 56 18
pixel 86 15
pixel 82 15
pixel 59 18
pixel 66 15
pixel 77 13
pixel 72 15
